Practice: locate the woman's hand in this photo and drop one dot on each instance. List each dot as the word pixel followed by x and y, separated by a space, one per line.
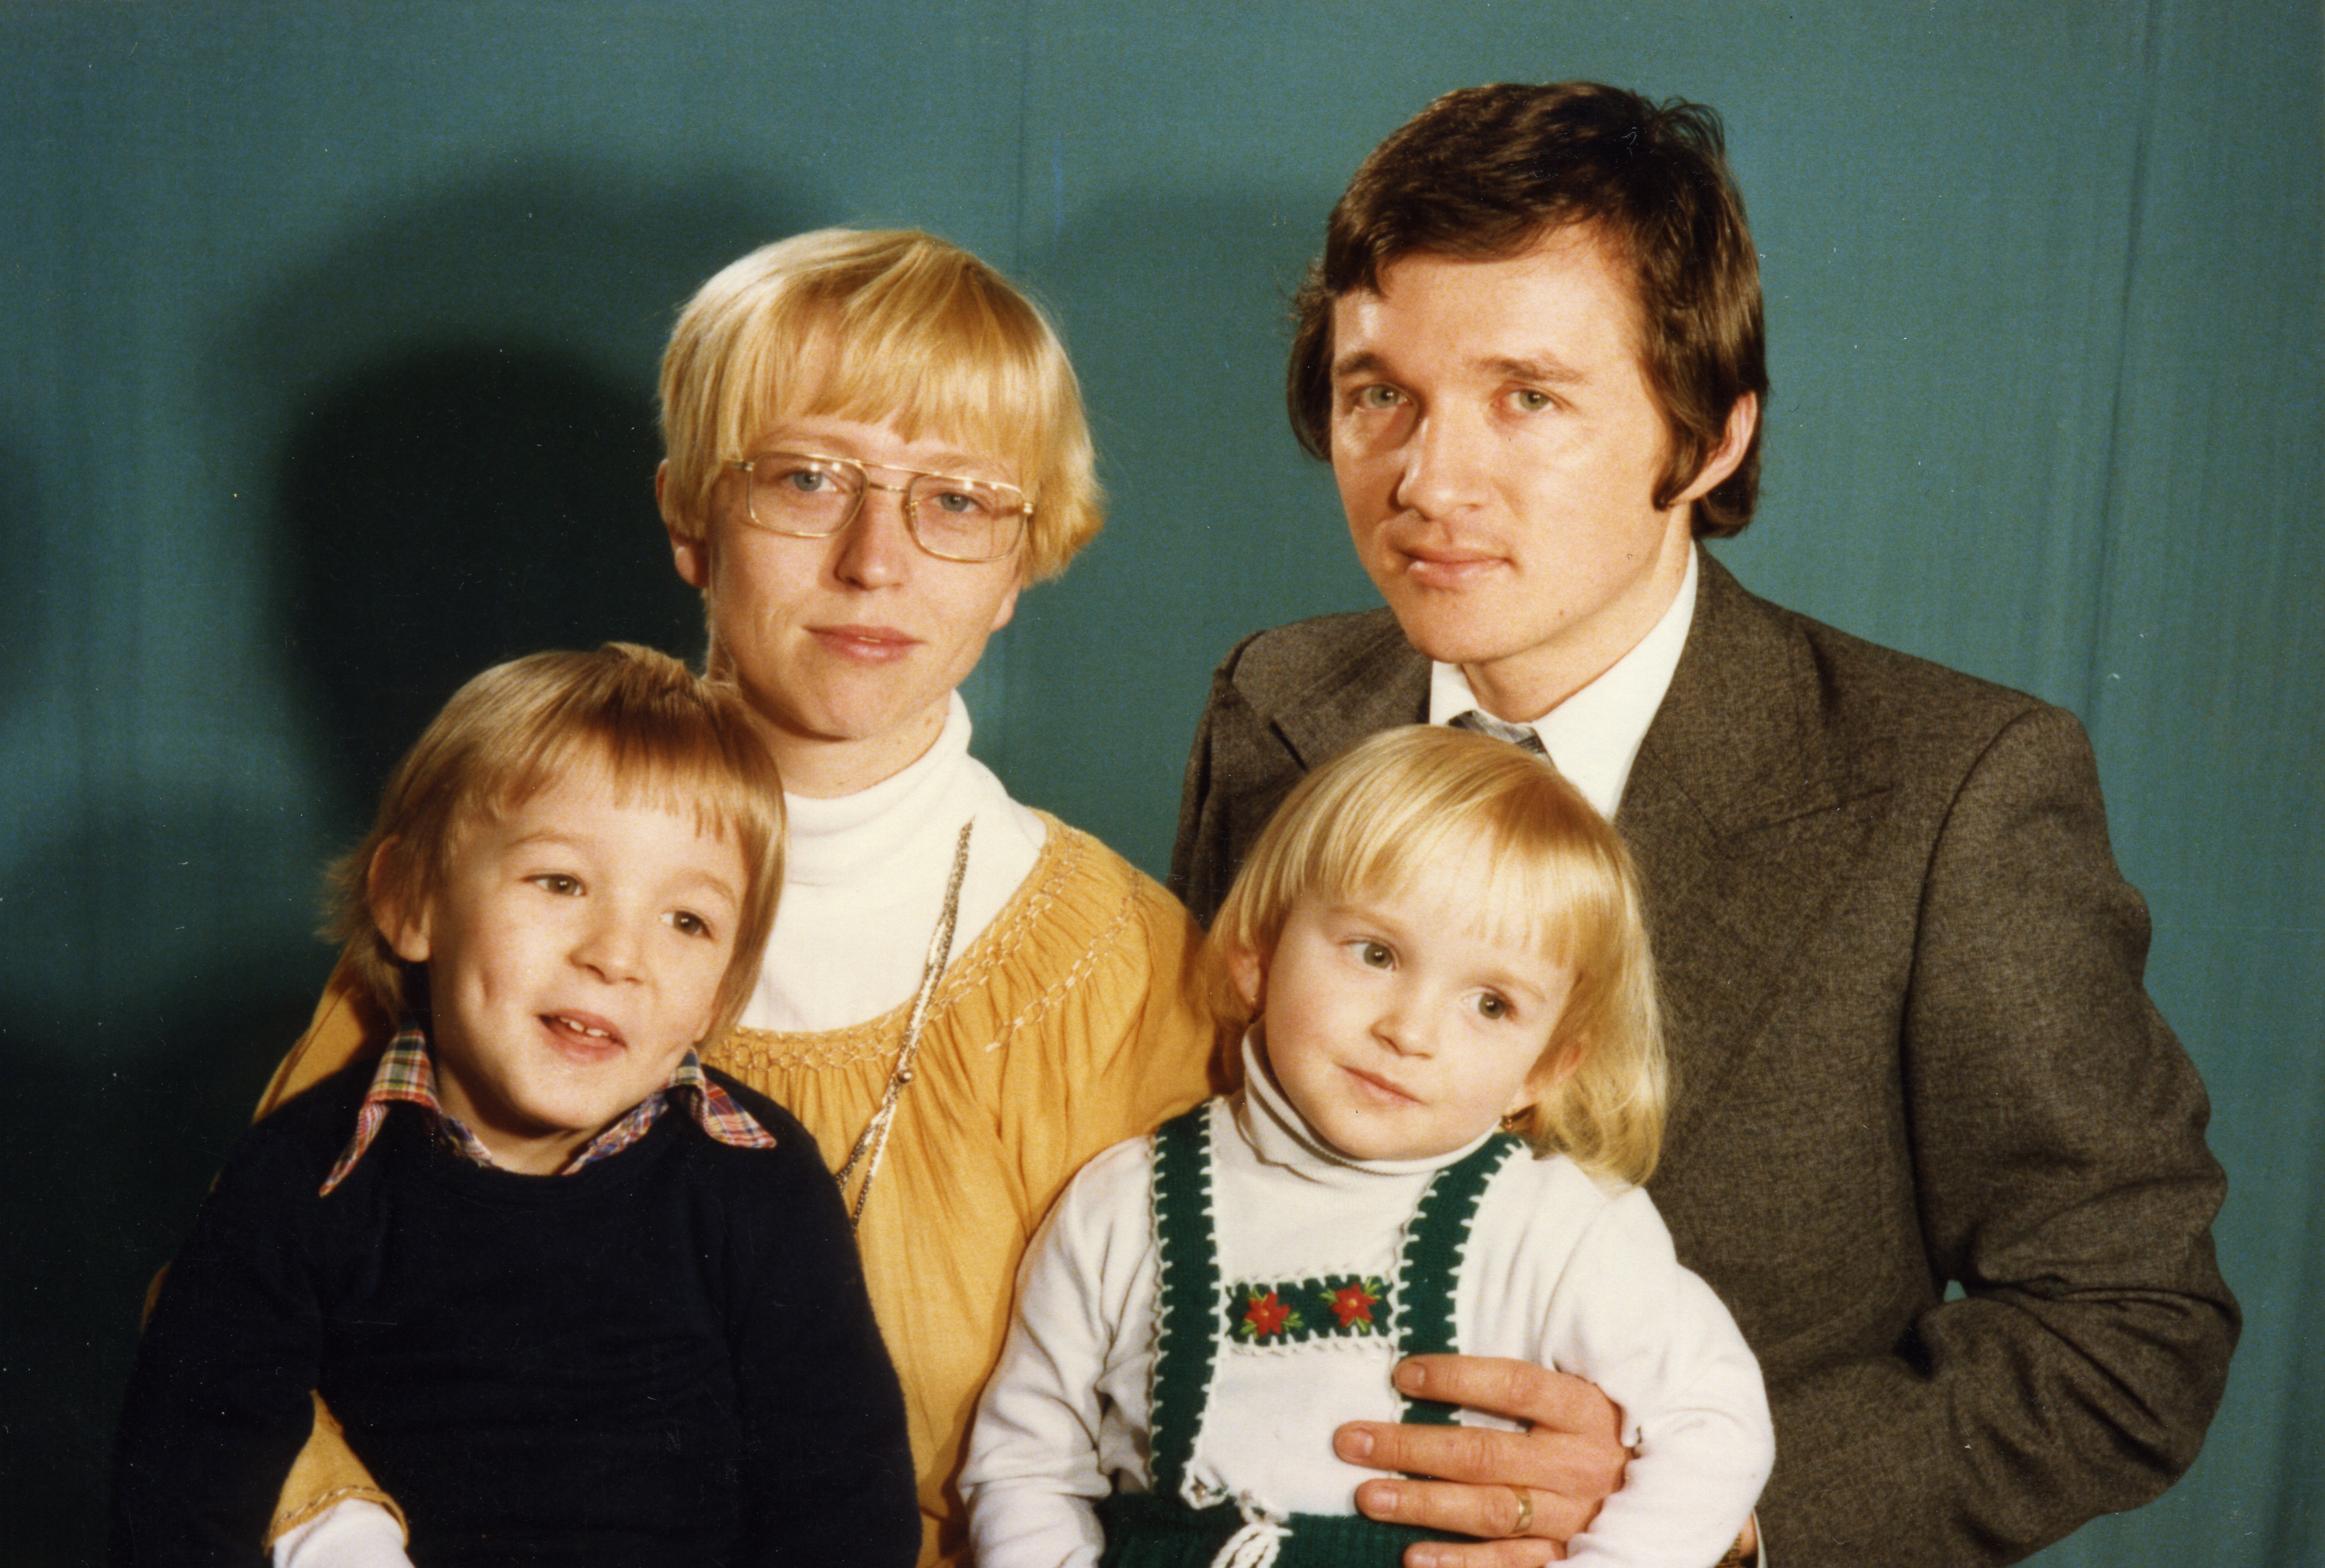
pixel 1566 1462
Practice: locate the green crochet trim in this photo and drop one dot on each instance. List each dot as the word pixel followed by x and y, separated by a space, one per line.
pixel 1334 1307
pixel 1146 1531
pixel 1188 1267
pixel 1431 1259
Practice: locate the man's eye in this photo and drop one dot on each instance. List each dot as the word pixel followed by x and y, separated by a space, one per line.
pixel 558 882
pixel 1378 397
pixel 1531 400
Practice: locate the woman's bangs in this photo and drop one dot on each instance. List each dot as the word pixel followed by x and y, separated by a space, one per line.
pixel 932 379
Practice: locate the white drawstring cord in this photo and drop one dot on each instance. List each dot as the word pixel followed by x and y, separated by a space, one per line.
pixel 1255 1545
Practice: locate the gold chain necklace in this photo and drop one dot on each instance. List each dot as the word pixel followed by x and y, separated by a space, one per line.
pixel 873 1141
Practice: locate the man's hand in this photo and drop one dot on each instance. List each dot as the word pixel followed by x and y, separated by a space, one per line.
pixel 1567 1462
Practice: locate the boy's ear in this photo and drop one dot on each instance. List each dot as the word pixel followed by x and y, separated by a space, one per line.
pixel 406 930
pixel 1249 970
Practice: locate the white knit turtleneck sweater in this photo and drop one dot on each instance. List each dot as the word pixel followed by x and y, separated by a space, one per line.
pixel 1557 1269
pixel 864 881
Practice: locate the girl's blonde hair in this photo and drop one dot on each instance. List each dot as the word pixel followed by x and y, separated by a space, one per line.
pixel 878 325
pixel 663 734
pixel 1379 817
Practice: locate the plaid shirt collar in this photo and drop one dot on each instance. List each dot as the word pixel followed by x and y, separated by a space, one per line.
pixel 406 1073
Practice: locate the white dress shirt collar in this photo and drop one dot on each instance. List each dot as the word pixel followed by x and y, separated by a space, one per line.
pixel 1594 735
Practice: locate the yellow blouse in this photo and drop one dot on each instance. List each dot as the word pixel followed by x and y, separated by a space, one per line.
pixel 1074 1021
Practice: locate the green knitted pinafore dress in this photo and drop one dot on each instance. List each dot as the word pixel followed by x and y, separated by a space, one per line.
pixel 1160 1529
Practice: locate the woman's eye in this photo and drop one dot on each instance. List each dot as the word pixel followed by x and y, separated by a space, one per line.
pixel 558 882
pixel 806 480
pixel 1376 397
pixel 960 503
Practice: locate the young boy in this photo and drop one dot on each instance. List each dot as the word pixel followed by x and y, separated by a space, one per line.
pixel 1436 938
pixel 574 1299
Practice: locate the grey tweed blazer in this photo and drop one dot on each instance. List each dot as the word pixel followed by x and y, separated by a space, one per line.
pixel 1912 1049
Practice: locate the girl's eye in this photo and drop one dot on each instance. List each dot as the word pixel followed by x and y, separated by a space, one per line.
pixel 687 923
pixel 557 882
pixel 1492 1007
pixel 1375 954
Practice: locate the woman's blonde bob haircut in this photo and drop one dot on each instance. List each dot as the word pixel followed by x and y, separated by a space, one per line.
pixel 663 734
pixel 1387 814
pixel 884 324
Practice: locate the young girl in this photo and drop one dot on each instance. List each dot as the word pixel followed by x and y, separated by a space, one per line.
pixel 1436 941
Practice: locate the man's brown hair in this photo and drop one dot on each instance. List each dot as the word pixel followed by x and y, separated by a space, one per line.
pixel 1486 173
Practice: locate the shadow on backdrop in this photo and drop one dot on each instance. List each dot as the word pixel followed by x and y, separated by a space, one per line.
pixel 454 510
pixel 1175 306
pixel 454 409
pixel 21 574
pixel 457 407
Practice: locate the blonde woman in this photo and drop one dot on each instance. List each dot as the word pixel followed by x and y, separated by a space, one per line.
pixel 873 444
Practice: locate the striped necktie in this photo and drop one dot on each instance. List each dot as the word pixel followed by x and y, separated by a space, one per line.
pixel 1479 721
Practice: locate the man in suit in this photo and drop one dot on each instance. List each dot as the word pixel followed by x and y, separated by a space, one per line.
pixel 1913 1054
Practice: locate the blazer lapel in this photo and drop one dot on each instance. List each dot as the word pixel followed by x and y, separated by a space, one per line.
pixel 1366 678
pixel 1737 813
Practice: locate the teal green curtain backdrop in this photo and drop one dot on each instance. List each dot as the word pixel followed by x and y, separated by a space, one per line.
pixel 329 337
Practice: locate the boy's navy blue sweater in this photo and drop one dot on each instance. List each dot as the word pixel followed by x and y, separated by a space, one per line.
pixel 667 1356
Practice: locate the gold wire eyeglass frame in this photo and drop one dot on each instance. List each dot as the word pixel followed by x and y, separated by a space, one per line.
pixel 1021 513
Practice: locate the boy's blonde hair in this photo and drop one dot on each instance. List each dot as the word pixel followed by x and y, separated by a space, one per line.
pixel 663 734
pixel 895 325
pixel 1380 815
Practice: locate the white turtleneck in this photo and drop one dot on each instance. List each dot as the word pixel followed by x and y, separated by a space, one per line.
pixel 864 881
pixel 1279 1136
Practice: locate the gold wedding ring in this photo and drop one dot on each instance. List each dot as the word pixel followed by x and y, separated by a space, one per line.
pixel 1525 1511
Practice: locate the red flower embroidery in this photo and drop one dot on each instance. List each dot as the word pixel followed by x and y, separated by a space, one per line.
pixel 1351 1303
pixel 1264 1315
